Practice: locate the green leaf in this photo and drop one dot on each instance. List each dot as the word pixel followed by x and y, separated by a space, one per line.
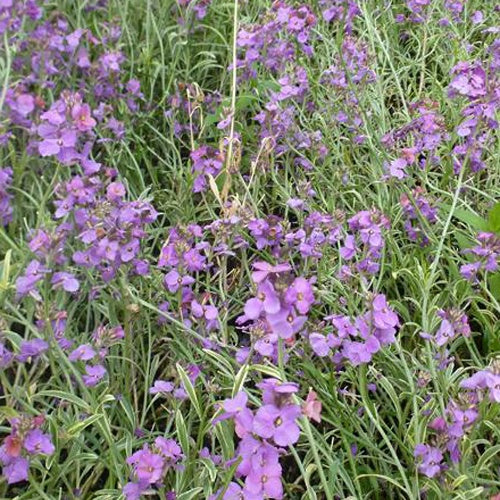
pixel 188 495
pixel 211 119
pixel 494 285
pixel 4 281
pixel 244 101
pixel 66 396
pixel 494 219
pixel 463 241
pixel 75 429
pixel 190 390
pixel 182 433
pixel 469 217
pixel 212 471
pixel 6 411
pixel 265 85
pixel 239 380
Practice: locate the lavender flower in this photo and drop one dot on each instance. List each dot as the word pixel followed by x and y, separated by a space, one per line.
pixel 6 210
pixel 484 379
pixel 36 442
pixel 31 349
pixel 278 424
pixel 431 460
pixel 93 375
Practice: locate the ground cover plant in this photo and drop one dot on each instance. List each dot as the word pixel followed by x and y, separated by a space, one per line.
pixel 249 249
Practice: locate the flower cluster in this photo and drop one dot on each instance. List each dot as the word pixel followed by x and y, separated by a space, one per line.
pixel 486 255
pixel 278 310
pixel 13 13
pixel 273 46
pixel 199 7
pixel 342 12
pixel 263 433
pixel 487 380
pixel 458 419
pixel 48 52
pixel 363 244
pixel 150 465
pixel 319 231
pixel 454 323
pixel 349 76
pixel 178 391
pixel 93 354
pixel 207 161
pixel 477 83
pixel 184 256
pixel 25 441
pixel 268 45
pixel 358 339
pixel 417 142
pixel 417 208
pixel 5 197
pixel 98 219
pixel 448 431
pixel 289 264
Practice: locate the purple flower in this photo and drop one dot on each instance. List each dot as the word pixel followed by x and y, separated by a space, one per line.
pixel 194 261
pixel 266 481
pixel 36 442
pixel 233 492
pixel 67 281
pixel 487 253
pixel 266 345
pixel 397 167
pixel 348 251
pixel 286 323
pixel 115 191
pixel 267 300
pixel 278 423
pixel 173 280
pixel 360 352
pixel 148 466
pixel 477 17
pixel 16 470
pixel 85 352
pixel 206 161
pixel 264 269
pixel 31 349
pixel 161 387
pixel 82 117
pixel 253 453
pixel 208 312
pixel 6 210
pixel 56 142
pixel 300 294
pixel 94 374
pixel 469 80
pixel 133 491
pixel 319 344
pixel 484 379
pixel 236 409
pixel 461 420
pixel 24 104
pixel 26 284
pixel 344 326
pixel 277 393
pixel 5 356
pixel 431 459
pixel 170 450
pixel 454 323
pixel 383 316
